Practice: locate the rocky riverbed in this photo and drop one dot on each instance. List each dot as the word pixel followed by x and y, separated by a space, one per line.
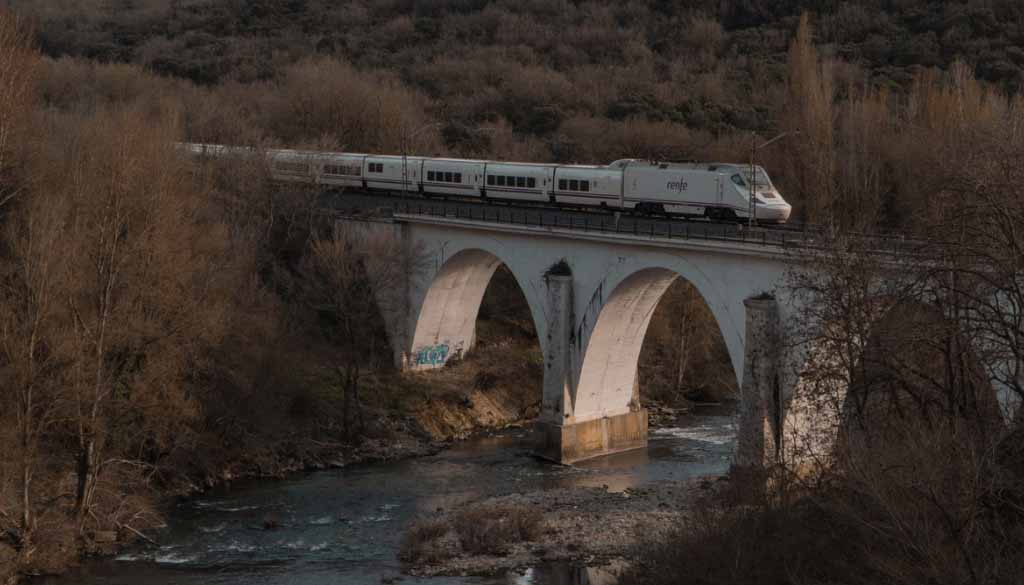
pixel 592 526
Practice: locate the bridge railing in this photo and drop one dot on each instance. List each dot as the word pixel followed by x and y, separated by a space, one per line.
pixel 652 228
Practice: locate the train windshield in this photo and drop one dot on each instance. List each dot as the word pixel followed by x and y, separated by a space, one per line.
pixel 763 182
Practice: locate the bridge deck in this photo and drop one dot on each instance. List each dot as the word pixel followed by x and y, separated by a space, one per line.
pixel 680 232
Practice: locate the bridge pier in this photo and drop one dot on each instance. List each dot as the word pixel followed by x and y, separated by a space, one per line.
pixel 576 441
pixel 758 443
pixel 560 437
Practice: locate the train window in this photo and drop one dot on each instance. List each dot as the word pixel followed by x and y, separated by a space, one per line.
pixel 510 181
pixel 342 170
pixel 291 167
pixel 574 185
pixel 521 182
pixel 531 182
pixel 458 177
pixel 490 179
pixel 738 180
pixel 584 185
pixel 447 177
pixel 430 175
pixel 501 180
pixel 376 168
pixel 561 185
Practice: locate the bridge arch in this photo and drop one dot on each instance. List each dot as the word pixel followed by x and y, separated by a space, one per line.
pixel 895 379
pixel 609 373
pixel 445 325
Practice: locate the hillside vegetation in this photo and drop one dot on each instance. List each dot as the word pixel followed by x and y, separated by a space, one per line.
pixel 565 81
pixel 539 64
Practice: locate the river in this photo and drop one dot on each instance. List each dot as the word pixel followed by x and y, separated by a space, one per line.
pixel 344 526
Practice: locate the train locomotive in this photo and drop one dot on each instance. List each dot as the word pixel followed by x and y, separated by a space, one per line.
pixel 716 191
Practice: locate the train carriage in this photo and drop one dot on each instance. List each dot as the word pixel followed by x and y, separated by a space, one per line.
pixel 519 181
pixel 451 176
pixel 676 188
pixel 588 185
pixel 341 170
pixel 292 165
pixel 393 173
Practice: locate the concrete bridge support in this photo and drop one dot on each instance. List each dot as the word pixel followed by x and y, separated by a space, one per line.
pixel 560 436
pixel 592 297
pixel 758 441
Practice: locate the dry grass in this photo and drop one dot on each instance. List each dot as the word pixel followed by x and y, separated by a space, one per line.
pixel 491 529
pixel 421 541
pixel 477 530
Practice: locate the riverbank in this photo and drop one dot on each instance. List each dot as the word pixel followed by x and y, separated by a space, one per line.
pixel 582 525
pixel 347 524
pixel 404 415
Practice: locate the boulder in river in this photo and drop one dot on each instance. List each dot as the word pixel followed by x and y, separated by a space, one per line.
pixel 271 521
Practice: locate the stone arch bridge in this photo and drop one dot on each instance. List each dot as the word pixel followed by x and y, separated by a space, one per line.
pixel 591 295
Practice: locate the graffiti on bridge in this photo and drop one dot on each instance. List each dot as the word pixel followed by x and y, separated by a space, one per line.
pixel 431 355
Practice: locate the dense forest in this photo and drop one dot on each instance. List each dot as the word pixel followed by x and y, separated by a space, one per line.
pixel 538 65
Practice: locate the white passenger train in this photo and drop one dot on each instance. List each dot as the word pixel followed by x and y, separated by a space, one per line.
pixel 718 191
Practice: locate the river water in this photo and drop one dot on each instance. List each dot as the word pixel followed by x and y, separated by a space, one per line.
pixel 344 526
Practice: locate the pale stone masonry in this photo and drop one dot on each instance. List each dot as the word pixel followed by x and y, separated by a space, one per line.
pixel 759 392
pixel 591 296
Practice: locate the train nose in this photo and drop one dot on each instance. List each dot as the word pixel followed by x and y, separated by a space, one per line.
pixel 774 213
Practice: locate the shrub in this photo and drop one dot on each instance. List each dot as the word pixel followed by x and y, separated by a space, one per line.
pixel 421 541
pixel 491 529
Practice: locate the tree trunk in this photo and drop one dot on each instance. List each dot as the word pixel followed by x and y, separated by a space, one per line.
pixel 358 404
pixel 26 494
pixel 84 471
pixel 346 414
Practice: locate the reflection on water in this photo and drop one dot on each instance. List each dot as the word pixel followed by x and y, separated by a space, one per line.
pixel 344 526
pixel 567 574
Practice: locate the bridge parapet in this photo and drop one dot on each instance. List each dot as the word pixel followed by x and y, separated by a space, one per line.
pixel 790 236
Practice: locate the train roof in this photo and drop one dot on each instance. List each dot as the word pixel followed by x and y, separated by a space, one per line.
pixel 523 164
pixel 684 165
pixel 458 160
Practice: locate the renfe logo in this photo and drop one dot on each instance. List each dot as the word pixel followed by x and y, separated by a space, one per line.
pixel 679 185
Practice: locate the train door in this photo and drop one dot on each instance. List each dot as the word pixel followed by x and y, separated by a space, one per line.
pixel 483 182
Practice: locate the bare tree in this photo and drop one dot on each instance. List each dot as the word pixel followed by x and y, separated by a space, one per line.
pixel 354 280
pixel 18 68
pixel 906 355
pixel 141 298
pixel 32 279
